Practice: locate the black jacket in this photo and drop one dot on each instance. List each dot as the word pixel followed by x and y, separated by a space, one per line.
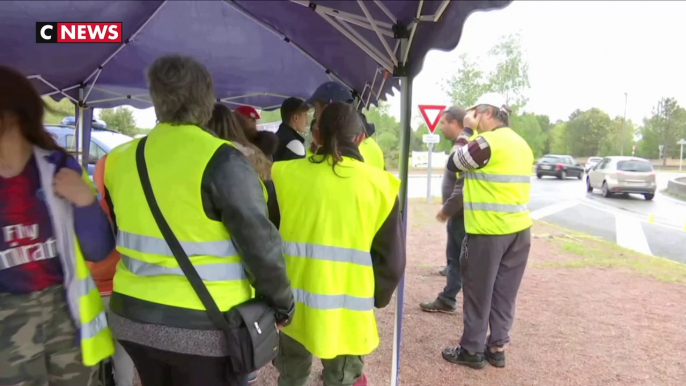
pixel 290 144
pixel 232 194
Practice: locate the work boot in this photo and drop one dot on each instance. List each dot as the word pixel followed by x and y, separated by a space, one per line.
pixel 496 359
pixel 460 356
pixel 444 271
pixel 437 305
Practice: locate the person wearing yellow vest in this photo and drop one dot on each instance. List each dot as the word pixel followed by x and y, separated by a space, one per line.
pixel 497 170
pixel 370 150
pixel 452 213
pixel 53 327
pixel 215 205
pixel 345 252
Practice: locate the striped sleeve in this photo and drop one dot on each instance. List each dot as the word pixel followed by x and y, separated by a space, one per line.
pixel 468 155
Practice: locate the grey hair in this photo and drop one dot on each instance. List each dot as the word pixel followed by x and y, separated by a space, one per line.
pixel 501 114
pixel 181 90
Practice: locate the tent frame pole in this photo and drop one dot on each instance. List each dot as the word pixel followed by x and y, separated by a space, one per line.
pixel 78 133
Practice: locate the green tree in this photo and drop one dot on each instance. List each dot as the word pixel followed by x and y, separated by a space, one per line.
pixel 546 128
pixel 618 135
pixel 270 116
pixel 527 125
pixel 466 85
pixel 558 139
pixel 120 119
pixel 56 111
pixel 511 76
pixel 387 133
pixel 665 127
pixel 586 131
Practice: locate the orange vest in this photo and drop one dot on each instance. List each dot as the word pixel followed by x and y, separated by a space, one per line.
pixel 103 272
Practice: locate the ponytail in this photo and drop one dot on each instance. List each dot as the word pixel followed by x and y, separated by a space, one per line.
pixel 338 125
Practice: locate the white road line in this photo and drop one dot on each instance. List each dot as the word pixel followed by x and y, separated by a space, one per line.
pixel 630 234
pixel 552 209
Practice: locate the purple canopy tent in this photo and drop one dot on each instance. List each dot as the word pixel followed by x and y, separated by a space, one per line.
pixel 259 52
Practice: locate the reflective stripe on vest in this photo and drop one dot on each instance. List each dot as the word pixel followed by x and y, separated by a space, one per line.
pixel 327 235
pixel 496 196
pixel 207 272
pixel 154 245
pixel 148 270
pixel 325 252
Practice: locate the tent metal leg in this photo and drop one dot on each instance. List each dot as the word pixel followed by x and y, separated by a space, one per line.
pixel 405 120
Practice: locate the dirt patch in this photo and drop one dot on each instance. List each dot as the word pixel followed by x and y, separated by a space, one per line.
pixel 588 313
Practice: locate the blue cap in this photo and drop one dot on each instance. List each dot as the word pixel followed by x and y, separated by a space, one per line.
pixel 331 92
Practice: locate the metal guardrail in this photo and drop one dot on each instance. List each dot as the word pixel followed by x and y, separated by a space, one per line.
pixel 677 186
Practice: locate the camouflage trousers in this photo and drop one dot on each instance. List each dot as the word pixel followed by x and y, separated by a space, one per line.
pixel 38 341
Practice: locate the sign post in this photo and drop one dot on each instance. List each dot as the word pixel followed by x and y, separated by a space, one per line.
pixel 681 153
pixel 430 139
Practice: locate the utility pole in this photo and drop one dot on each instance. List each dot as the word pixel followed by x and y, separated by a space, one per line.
pixel 626 96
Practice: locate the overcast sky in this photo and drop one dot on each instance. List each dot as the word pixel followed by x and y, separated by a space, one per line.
pixel 581 54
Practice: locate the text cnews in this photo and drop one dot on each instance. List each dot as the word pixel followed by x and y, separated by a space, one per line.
pixel 58 32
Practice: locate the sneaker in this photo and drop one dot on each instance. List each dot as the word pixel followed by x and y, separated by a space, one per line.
pixel 437 306
pixel 496 359
pixel 460 356
pixel 361 381
pixel 252 377
pixel 444 271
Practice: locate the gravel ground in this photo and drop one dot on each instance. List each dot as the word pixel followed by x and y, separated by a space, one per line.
pixel 574 326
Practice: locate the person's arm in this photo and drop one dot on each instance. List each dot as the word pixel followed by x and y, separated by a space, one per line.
pixel 469 155
pixel 236 195
pixel 91 225
pixel 293 150
pixel 388 257
pixel 454 203
pixel 272 204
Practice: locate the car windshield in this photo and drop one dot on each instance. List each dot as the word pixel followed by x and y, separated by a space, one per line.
pixel 593 159
pixel 110 139
pixel 634 166
pixel 550 160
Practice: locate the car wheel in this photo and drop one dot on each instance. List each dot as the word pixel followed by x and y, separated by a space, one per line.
pixel 649 196
pixel 589 188
pixel 539 176
pixel 606 190
pixel 562 175
pixel 581 175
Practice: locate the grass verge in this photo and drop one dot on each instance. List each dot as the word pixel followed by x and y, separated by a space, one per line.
pixel 589 252
pixel 673 194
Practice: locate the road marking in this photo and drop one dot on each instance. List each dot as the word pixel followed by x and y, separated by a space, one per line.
pixel 630 234
pixel 552 209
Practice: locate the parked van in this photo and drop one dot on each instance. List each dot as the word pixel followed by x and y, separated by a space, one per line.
pixel 102 142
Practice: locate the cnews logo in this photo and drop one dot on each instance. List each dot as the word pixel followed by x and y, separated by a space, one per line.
pixel 53 32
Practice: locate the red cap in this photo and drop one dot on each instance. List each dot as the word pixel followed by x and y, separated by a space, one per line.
pixel 248 112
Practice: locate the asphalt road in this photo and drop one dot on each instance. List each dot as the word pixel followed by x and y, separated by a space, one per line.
pixel 656 227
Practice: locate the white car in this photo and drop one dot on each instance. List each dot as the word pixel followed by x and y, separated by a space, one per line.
pixel 622 175
pixel 591 162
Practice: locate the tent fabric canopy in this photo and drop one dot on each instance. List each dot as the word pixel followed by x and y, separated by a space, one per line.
pixel 258 51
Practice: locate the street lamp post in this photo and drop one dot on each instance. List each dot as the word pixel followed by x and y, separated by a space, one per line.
pixel 626 96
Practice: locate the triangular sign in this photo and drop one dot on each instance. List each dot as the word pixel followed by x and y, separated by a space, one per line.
pixel 432 123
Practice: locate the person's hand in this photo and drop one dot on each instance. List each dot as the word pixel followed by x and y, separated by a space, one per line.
pixel 441 217
pixel 471 120
pixel 69 185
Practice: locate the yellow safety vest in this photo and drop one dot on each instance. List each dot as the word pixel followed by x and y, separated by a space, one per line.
pixel 176 157
pixel 496 197
pixel 327 236
pixel 372 153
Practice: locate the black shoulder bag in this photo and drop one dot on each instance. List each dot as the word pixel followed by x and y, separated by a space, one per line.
pixel 250 328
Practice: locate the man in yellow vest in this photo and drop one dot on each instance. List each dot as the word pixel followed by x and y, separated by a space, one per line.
pixel 370 150
pixel 214 203
pixel 497 170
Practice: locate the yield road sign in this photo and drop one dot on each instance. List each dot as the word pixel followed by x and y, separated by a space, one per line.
pixel 431 123
pixel 431 138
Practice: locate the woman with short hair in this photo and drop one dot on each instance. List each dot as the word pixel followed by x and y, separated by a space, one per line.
pixel 213 202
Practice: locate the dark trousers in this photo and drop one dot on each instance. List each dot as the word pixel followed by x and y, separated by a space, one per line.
pixel 163 368
pixel 492 270
pixel 456 234
pixel 294 363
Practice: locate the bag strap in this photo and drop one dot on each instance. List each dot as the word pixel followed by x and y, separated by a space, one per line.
pixel 213 311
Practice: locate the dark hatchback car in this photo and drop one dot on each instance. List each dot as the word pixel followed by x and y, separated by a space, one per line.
pixel 560 166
